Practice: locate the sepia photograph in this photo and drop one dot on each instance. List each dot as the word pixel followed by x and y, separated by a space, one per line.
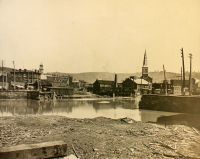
pixel 99 79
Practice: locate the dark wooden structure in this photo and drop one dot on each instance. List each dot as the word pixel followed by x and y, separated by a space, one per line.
pixel 35 151
pixel 103 87
pixel 133 85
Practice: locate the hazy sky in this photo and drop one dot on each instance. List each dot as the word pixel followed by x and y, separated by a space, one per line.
pixel 99 35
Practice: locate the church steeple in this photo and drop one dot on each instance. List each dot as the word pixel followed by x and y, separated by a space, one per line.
pixel 145 67
pixel 145 59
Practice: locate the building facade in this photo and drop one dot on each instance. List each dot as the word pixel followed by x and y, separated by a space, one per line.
pixel 103 87
pixel 60 80
pixel 23 78
pixel 177 86
pixel 133 86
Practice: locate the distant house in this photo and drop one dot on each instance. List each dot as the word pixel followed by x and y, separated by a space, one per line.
pixel 62 91
pixel 103 87
pixel 45 85
pixel 177 86
pixel 76 84
pixel 133 85
pixel 197 87
pixel 89 87
pixel 160 88
pixel 22 78
pixel 60 80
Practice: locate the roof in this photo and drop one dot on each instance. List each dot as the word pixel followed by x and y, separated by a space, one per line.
pixel 45 82
pixel 141 81
pixel 67 88
pixel 105 82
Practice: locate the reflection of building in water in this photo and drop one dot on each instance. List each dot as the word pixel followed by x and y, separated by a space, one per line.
pixel 147 116
pixel 33 107
pixel 152 116
pixel 190 120
pixel 109 104
pixel 21 107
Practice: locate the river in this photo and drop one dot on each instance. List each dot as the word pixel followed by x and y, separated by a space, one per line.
pixel 81 108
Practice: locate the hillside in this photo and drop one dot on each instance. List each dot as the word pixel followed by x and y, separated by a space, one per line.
pixel 92 76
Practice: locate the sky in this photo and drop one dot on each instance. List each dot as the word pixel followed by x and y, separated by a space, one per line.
pixel 99 35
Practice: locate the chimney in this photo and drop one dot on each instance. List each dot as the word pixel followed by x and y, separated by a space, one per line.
pixel 115 80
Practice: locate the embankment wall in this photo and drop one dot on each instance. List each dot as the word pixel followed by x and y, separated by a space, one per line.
pixel 182 104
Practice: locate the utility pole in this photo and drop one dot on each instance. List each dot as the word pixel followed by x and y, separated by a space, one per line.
pixel 165 79
pixel 190 78
pixel 14 74
pixel 181 75
pixel 2 75
pixel 183 63
pixel 28 79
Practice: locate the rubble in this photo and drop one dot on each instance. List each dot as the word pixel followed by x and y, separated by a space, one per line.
pixel 102 137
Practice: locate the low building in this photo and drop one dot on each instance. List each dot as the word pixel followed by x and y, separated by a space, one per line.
pixel 62 91
pixel 60 80
pixel 177 86
pixel 76 84
pixel 133 85
pixel 45 85
pixel 103 87
pixel 160 88
pixel 25 76
pixel 61 85
pixel 197 87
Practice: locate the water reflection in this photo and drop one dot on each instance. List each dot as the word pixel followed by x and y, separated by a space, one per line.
pixel 191 120
pixel 81 109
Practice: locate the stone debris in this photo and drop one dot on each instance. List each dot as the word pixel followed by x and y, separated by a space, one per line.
pixel 70 157
pixel 127 120
pixel 101 138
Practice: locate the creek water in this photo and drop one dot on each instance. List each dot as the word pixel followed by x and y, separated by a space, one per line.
pixel 82 108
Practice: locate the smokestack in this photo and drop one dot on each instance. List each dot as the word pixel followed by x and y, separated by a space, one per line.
pixel 115 86
pixel 115 80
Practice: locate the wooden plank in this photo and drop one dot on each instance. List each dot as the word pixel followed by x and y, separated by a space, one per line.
pixel 35 151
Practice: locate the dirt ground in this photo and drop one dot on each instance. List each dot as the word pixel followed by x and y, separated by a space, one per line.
pixel 102 138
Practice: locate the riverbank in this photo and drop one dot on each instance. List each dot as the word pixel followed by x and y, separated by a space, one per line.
pixel 171 103
pixel 103 137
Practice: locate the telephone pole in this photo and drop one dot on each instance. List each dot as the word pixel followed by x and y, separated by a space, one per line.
pixel 165 79
pixel 14 74
pixel 190 78
pixel 181 75
pixel 183 63
pixel 2 76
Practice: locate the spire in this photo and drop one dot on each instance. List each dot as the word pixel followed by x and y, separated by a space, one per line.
pixel 145 59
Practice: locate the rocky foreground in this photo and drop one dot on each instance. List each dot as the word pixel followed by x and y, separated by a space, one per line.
pixel 101 138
